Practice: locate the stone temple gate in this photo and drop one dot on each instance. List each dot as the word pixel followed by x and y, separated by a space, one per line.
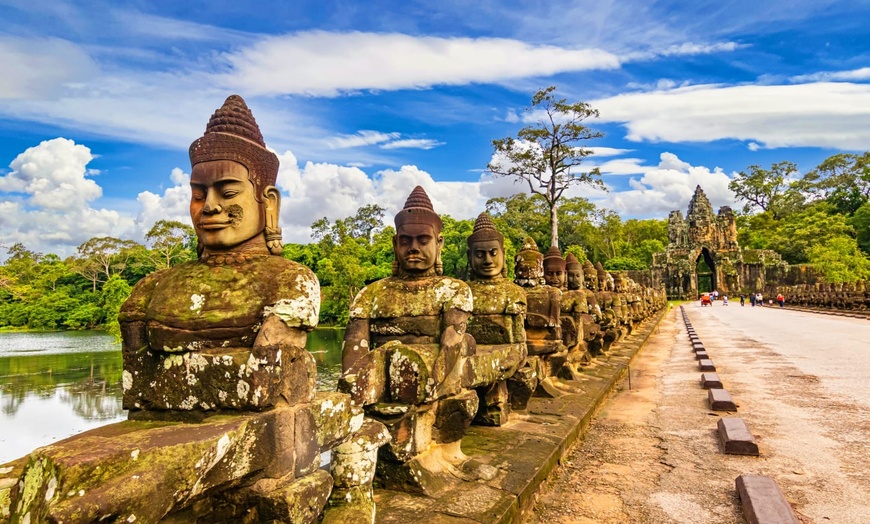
pixel 703 254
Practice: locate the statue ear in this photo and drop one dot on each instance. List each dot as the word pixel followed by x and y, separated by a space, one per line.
pixel 272 207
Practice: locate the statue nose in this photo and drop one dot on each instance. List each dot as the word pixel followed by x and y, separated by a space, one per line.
pixel 212 210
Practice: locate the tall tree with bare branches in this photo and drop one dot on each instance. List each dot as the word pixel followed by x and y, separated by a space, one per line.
pixel 547 154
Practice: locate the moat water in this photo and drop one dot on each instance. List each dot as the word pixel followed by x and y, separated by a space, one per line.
pixel 54 385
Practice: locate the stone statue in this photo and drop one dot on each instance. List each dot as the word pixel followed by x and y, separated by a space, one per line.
pixel 403 356
pixel 590 275
pixel 226 331
pixel 497 323
pixel 226 425
pixel 547 353
pixel 575 304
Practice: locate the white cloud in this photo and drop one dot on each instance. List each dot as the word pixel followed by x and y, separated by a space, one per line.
pixel 668 186
pixel 599 151
pixel 413 143
pixel 174 204
pixel 835 115
pixel 361 138
pixel 854 75
pixel 41 67
pixel 47 200
pixel 341 62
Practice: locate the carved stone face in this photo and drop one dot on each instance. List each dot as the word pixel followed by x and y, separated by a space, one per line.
pixel 487 259
pixel 575 279
pixel 529 268
pixel 223 207
pixel 553 275
pixel 417 247
pixel 592 281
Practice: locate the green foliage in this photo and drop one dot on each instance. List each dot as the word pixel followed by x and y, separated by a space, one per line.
pixel 860 221
pixel 839 260
pixel 623 263
pixel 454 253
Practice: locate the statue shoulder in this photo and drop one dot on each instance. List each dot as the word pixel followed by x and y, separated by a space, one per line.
pixel 453 293
pixel 296 292
pixel 134 307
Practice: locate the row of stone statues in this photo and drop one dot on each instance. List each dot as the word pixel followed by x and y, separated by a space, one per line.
pixel 226 424
pixel 854 296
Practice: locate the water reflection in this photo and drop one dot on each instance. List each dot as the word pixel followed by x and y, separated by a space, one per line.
pixel 53 385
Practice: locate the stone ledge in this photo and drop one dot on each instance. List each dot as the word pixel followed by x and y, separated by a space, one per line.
pixel 735 437
pixel 710 380
pixel 706 365
pixel 701 355
pixel 525 450
pixel 720 400
pixel 763 502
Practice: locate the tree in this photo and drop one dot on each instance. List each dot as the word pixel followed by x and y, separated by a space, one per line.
pixel 171 243
pixel 101 257
pixel 843 180
pixel 768 189
pixel 546 154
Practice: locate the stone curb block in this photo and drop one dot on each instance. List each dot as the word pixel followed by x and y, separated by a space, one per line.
pixel 720 400
pixel 710 380
pixel 735 437
pixel 763 502
pixel 701 355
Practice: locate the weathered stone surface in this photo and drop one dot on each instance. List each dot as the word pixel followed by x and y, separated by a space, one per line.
pixel 763 502
pixel 321 425
pixel 354 505
pixel 299 502
pixel 735 437
pixel 410 427
pixel 710 380
pixel 366 382
pixel 701 355
pixel 706 365
pixel 522 384
pixel 144 470
pixel 494 406
pixel 720 400
pixel 453 416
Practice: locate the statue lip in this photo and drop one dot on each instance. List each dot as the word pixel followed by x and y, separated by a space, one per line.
pixel 209 225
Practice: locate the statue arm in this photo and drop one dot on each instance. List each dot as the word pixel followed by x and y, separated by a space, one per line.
pixel 357 342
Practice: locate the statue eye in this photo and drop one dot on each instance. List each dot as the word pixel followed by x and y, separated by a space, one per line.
pixel 230 193
pixel 197 194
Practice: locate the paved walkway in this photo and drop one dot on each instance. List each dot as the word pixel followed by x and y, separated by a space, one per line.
pixel 802 384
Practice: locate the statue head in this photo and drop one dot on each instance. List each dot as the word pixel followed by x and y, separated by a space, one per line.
pixel 529 268
pixel 418 241
pixel 605 281
pixel 574 272
pixel 618 281
pixel 234 202
pixel 554 267
pixel 486 250
pixel 590 275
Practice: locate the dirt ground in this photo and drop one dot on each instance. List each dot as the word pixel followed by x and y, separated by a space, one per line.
pixel 651 455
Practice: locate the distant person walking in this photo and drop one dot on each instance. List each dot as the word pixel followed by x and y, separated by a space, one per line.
pixel 759 299
pixel 715 295
pixel 780 299
pixel 742 300
pixel 724 300
pixel 752 299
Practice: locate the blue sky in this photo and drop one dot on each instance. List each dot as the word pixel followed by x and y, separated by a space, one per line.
pixel 362 101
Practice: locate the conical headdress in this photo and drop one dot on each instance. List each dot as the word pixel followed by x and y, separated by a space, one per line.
pixel 554 258
pixel 233 134
pixel 484 230
pixel 418 210
pixel 571 262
